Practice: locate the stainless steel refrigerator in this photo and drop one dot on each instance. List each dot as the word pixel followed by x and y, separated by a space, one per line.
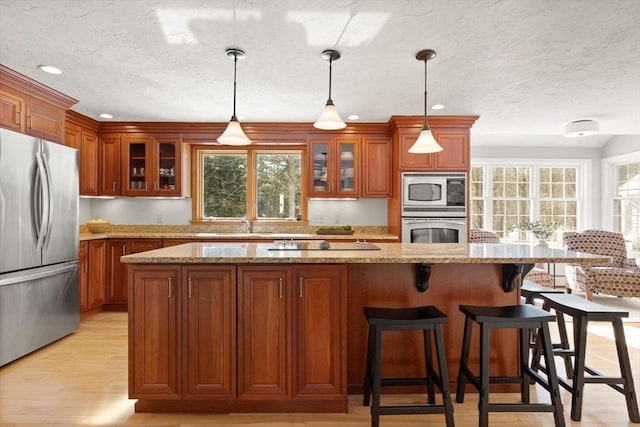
pixel 39 293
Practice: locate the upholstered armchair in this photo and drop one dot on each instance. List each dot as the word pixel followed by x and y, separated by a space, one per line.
pixel 620 277
pixel 537 274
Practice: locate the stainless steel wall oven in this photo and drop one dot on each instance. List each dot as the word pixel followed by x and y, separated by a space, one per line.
pixel 434 207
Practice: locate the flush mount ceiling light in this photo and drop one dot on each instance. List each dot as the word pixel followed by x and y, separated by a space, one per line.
pixel 425 143
pixel 580 128
pixel 233 134
pixel 329 119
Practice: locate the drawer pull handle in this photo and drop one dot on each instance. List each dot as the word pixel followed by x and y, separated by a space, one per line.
pixel 300 288
pixel 170 287
pixel 280 288
pixel 190 294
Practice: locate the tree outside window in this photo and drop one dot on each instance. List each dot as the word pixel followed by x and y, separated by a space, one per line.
pixel 627 203
pixel 253 184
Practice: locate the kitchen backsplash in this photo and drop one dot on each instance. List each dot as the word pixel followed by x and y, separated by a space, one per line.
pixel 146 211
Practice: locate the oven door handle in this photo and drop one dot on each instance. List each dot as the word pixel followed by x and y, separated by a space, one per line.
pixel 432 220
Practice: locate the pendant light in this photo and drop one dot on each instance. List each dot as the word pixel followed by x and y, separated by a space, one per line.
pixel 329 119
pixel 425 143
pixel 233 134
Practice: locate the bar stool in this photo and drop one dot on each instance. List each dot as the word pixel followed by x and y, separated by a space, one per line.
pixel 582 311
pixel 426 319
pixel 531 291
pixel 523 317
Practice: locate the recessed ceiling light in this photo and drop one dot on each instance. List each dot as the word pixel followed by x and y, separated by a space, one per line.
pixel 106 115
pixel 50 69
pixel 353 117
pixel 437 107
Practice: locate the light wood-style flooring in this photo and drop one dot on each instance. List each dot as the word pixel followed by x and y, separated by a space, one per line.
pixel 81 380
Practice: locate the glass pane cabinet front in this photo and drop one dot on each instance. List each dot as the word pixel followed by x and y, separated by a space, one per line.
pixel 347 167
pixel 137 163
pixel 320 178
pixel 166 166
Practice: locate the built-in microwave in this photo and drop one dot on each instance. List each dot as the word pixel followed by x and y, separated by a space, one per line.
pixel 434 194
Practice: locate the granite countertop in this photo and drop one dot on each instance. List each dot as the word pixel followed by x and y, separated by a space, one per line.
pixel 383 253
pixel 233 235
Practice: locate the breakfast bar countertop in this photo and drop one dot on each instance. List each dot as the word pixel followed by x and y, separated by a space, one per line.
pixel 388 253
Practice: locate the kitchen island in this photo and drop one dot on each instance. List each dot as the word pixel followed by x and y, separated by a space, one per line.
pixel 278 327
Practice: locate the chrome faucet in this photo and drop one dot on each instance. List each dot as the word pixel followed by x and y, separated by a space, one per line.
pixel 246 225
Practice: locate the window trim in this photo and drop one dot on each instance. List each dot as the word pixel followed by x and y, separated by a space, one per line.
pixel 251 152
pixel 608 166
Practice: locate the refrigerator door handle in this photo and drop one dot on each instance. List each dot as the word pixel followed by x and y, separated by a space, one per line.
pixel 48 203
pixel 41 209
pixel 41 273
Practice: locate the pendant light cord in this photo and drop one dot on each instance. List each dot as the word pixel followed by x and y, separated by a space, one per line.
pixel 425 92
pixel 235 62
pixel 330 101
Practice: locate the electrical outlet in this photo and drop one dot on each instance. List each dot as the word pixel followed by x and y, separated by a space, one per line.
pixel 159 218
pixel 317 219
pixel 336 219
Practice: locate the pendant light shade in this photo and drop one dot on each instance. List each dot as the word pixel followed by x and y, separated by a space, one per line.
pixel 329 119
pixel 426 143
pixel 233 134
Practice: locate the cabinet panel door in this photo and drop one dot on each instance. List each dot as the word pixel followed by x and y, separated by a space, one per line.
pixel 320 171
pixel 153 332
pixel 117 273
pixel 347 166
pixel 455 150
pixel 88 164
pixel 136 164
pixel 11 112
pixel 109 157
pixel 97 273
pixel 209 331
pixel 263 333
pixel 46 123
pixel 166 180
pixel 377 163
pixel 318 330
pixel 83 275
pixel 410 161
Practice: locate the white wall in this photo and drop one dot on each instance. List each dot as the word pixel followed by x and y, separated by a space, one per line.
pixel 130 210
pixel 621 144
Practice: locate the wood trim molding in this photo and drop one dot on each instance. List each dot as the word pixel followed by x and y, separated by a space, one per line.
pixel 403 122
pixel 82 121
pixel 14 80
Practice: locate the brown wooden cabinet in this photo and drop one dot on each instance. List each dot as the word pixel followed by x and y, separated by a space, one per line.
pixel 151 165
pixel 30 107
pixel 319 313
pixel 81 133
pixel 334 165
pixel 92 275
pixel 290 343
pixel 455 154
pixel 154 334
pixel 109 158
pixel 376 166
pixel 116 298
pixel 83 275
pixel 279 345
pixel 209 328
pixel 264 322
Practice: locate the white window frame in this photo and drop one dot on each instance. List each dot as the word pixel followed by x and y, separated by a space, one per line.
pixel 608 166
pixel 584 170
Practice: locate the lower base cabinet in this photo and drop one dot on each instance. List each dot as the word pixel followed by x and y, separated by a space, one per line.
pixel 248 338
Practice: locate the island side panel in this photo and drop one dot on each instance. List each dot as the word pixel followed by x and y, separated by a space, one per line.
pixel 394 285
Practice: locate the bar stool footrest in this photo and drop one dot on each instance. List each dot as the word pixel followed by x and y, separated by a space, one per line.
pixel 520 407
pixel 392 382
pixel 411 409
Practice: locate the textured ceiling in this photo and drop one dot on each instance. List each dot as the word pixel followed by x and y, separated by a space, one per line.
pixel 526 67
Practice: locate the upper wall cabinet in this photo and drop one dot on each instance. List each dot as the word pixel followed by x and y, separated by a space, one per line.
pixel 334 165
pixel 29 107
pixel 151 165
pixel 376 166
pixel 109 181
pixel 81 133
pixel 452 133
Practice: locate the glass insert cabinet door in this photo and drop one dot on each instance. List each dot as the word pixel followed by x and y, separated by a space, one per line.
pixel 138 152
pixel 348 169
pixel 321 171
pixel 166 176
